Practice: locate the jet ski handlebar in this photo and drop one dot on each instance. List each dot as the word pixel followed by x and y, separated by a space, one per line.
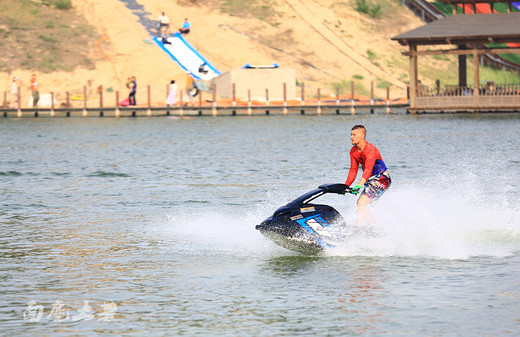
pixel 336 188
pixel 311 195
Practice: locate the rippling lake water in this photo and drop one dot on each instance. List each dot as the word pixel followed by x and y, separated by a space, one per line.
pixel 146 226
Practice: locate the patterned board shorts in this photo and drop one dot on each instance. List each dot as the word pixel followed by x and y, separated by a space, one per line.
pixel 376 186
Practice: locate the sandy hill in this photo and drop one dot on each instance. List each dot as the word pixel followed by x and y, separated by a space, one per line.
pixel 326 41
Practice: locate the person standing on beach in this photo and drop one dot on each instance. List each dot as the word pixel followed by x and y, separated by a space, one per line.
pixel 375 179
pixel 35 87
pixel 133 90
pixel 14 93
pixel 164 23
pixel 172 94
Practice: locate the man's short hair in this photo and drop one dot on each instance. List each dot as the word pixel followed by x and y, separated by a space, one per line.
pixel 360 127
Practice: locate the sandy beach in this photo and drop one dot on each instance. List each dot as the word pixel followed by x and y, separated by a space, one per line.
pixel 326 43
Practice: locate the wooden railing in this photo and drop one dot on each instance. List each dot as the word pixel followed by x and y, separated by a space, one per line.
pixel 490 96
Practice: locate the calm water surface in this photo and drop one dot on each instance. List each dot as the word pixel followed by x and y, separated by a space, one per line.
pixel 146 227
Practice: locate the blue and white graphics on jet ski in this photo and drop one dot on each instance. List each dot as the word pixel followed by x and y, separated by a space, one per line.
pixel 305 227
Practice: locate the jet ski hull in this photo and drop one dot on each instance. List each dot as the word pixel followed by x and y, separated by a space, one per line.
pixel 304 227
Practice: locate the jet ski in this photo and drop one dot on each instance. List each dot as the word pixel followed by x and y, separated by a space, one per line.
pixel 306 227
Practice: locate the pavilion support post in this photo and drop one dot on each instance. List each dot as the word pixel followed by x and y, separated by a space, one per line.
pixel 413 74
pixel 462 69
pixel 476 78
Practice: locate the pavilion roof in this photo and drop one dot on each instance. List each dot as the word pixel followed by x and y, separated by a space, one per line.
pixel 464 29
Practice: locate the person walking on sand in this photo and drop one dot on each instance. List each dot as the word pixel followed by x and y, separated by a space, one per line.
pixel 375 179
pixel 14 93
pixel 171 100
pixel 35 87
pixel 133 90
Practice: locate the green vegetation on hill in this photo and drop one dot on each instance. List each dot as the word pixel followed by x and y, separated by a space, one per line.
pixel 45 35
pixel 448 9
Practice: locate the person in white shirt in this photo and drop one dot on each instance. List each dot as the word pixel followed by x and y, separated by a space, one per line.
pixel 172 94
pixel 14 92
pixel 164 23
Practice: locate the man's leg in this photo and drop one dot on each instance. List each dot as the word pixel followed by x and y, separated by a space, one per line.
pixel 363 214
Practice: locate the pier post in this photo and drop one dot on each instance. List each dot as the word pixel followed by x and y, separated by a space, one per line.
pixel 52 104
pixel 387 100
pixel 303 94
pixel 284 98
pixel 19 112
pixel 149 111
pixel 100 89
pixel 267 100
pixel 181 109
pixel 85 113
pixel 318 110
pixel 371 97
pixel 181 103
pixel 302 111
pixel 68 104
pixel 234 95
pixel 117 112
pixel 353 108
pixel 101 96
pixel 214 111
pixel 372 93
pixel 249 110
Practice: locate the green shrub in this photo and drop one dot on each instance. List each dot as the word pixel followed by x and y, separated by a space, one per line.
pixel 365 7
pixel 371 55
pixel 62 4
pixel 362 6
pixel 375 11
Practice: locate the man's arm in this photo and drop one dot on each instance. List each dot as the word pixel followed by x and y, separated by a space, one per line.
pixel 352 173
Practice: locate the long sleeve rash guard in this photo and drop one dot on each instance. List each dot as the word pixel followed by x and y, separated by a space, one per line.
pixel 367 158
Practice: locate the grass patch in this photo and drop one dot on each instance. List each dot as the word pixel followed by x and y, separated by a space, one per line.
pixel 371 55
pixel 372 8
pixel 54 37
pixel 58 4
pixel 345 87
pixel 382 84
pixel 263 10
pixel 46 38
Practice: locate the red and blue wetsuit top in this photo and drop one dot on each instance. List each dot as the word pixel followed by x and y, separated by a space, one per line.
pixel 370 160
